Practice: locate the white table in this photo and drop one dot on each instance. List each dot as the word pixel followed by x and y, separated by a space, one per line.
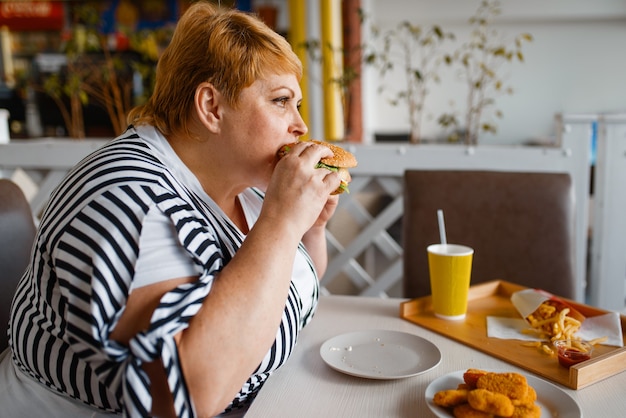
pixel 307 387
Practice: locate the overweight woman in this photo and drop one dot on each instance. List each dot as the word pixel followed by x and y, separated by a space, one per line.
pixel 175 267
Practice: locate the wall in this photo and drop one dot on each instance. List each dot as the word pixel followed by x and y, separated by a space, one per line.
pixel 575 64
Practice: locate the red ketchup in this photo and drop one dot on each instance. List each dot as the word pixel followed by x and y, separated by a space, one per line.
pixel 572 355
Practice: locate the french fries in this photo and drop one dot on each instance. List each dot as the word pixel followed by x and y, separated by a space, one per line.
pixel 552 321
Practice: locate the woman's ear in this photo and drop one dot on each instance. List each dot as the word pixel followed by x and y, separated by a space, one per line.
pixel 208 106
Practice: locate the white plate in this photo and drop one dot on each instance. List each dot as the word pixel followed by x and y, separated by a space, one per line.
pixel 380 354
pixel 553 401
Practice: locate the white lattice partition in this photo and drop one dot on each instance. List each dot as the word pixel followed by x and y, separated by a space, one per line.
pixel 380 252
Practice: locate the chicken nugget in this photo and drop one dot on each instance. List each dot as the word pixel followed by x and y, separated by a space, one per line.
pixel 513 385
pixel 466 411
pixel 490 402
pixel 450 397
pixel 471 376
pixel 528 400
pixel 527 411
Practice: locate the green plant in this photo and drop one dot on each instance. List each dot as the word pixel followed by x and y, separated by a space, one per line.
pixel 147 44
pixel 66 89
pixel 96 74
pixel 481 59
pixel 418 52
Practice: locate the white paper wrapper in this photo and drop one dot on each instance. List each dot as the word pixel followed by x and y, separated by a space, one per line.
pixel 527 301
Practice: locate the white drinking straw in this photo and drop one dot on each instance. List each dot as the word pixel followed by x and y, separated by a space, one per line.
pixel 442 227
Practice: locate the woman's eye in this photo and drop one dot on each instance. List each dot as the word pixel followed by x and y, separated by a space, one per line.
pixel 281 100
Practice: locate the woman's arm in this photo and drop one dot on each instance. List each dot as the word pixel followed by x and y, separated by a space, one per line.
pixel 233 330
pixel 239 318
pixel 237 323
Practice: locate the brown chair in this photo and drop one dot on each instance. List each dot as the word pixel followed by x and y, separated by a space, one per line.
pixel 521 226
pixel 17 233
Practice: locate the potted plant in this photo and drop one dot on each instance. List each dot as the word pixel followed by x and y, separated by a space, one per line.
pixel 416 50
pixel 480 60
pixel 96 73
pixel 420 51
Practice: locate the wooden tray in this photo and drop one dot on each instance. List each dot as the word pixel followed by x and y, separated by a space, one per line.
pixel 493 299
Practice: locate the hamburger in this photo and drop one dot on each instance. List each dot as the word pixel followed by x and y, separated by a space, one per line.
pixel 340 162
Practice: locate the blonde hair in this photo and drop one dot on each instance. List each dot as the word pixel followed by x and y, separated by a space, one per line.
pixel 228 48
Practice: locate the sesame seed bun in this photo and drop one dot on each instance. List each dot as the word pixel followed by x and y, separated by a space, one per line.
pixel 341 157
pixel 341 160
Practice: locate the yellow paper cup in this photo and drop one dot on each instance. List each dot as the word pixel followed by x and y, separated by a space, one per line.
pixel 450 267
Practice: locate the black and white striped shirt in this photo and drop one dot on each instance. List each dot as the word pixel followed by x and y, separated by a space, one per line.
pixel 72 294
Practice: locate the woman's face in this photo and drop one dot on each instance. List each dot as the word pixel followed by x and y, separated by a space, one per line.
pixel 266 118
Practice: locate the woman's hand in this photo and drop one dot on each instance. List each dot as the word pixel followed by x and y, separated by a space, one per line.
pixel 327 211
pixel 300 193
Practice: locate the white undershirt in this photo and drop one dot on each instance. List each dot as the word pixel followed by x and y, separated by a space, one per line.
pixel 161 256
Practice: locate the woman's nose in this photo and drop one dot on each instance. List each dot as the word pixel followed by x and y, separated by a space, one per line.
pixel 299 128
